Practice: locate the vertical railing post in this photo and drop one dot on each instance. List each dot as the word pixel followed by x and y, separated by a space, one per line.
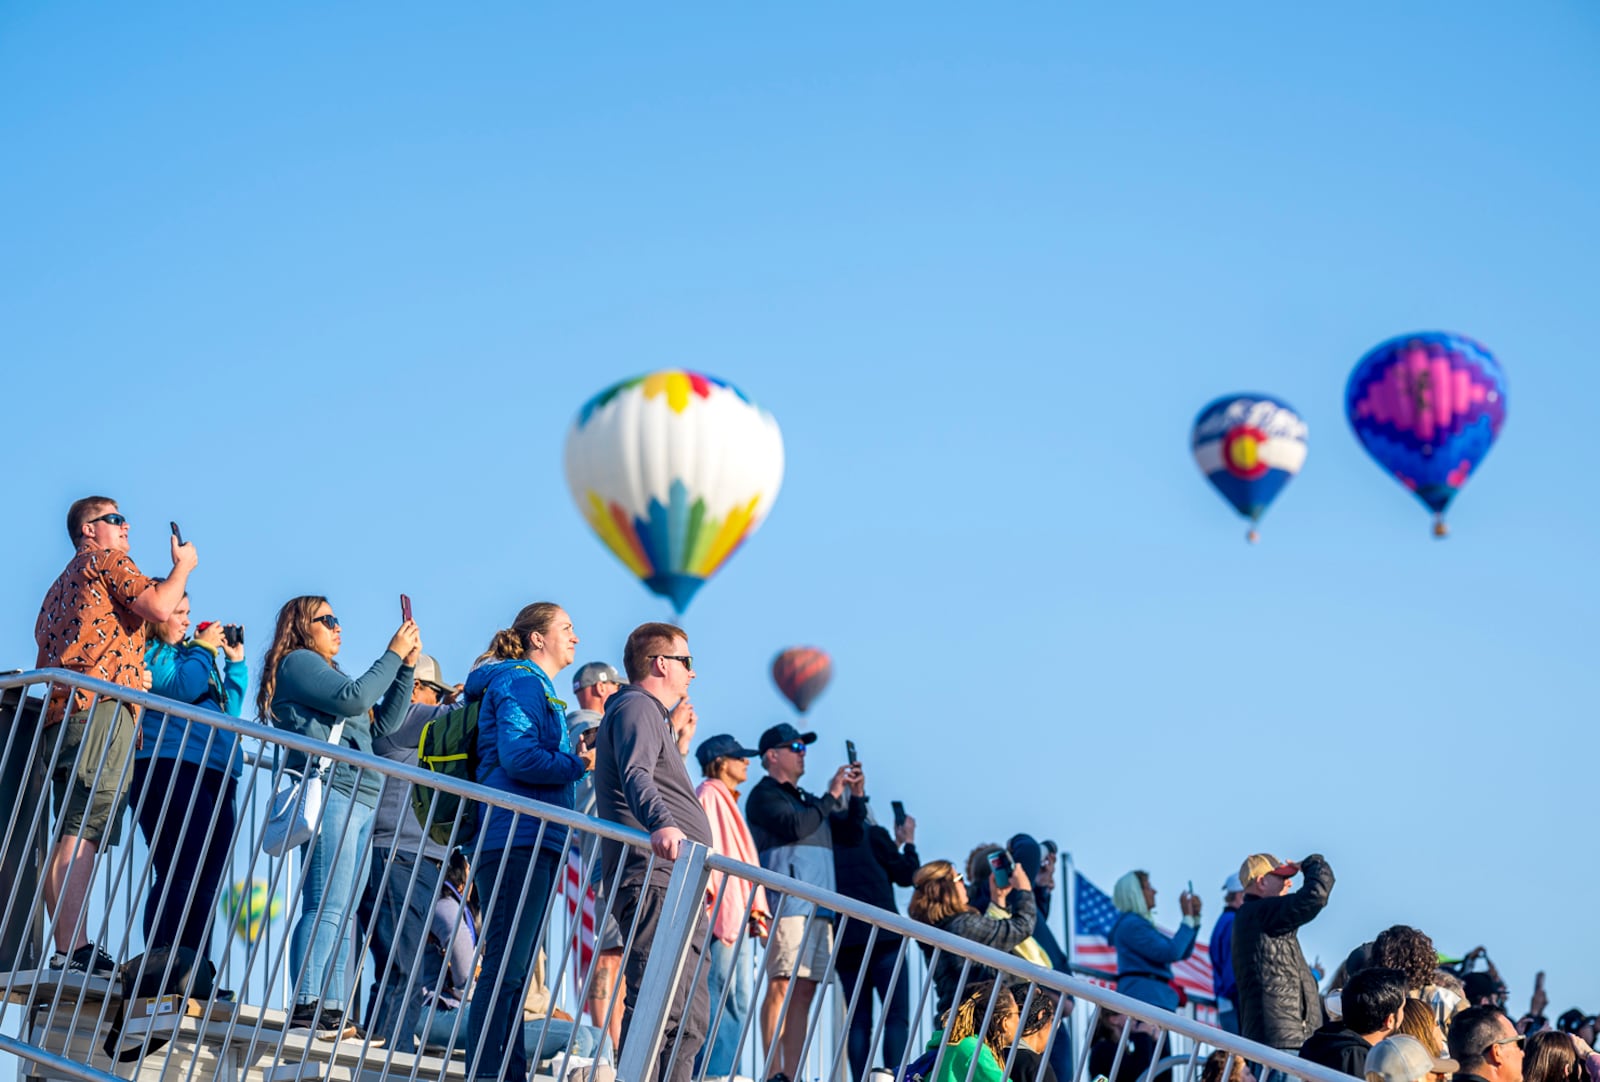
pixel 681 912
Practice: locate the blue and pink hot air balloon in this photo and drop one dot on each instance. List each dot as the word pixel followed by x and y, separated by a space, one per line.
pixel 1428 407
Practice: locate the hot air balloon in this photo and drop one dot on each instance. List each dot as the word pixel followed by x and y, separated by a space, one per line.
pixel 1249 446
pixel 249 905
pixel 673 471
pixel 1428 407
pixel 801 672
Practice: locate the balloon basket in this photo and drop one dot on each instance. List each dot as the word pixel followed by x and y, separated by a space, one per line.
pixel 1252 537
pixel 1440 529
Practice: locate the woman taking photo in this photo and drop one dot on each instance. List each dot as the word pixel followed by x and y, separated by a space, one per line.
pixel 523 749
pixel 1144 954
pixel 304 691
pixel 939 897
pixel 183 780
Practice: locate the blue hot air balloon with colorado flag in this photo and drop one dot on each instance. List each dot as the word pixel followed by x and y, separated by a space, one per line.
pixel 1249 446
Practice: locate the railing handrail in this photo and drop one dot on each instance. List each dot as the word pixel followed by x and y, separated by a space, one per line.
pixel 1102 998
pixel 312 747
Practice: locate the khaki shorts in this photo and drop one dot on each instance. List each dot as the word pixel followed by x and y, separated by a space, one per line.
pixel 91 808
pixel 800 947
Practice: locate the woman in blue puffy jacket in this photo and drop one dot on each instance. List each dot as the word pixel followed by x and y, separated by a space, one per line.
pixel 184 776
pixel 523 749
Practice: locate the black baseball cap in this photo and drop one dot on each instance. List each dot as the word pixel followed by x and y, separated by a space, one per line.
pixel 780 735
pixel 713 748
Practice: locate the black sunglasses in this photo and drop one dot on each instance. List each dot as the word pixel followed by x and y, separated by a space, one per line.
pixel 798 746
pixel 112 519
pixel 687 659
pixel 329 621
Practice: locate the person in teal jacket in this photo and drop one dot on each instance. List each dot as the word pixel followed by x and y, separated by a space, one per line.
pixel 304 691
pixel 184 778
pixel 1144 954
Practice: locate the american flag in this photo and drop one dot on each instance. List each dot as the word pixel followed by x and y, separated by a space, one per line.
pixel 1093 915
pixel 580 917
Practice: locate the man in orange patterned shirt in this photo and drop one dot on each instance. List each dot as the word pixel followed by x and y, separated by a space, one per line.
pixel 93 622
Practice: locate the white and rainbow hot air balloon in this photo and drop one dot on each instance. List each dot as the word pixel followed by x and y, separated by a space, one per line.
pixel 674 470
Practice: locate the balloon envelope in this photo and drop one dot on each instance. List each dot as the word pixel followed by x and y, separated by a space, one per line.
pixel 250 904
pixel 1249 446
pixel 1427 407
pixel 674 470
pixel 801 672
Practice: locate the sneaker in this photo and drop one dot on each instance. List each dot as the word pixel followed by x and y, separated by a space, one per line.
pixel 332 1026
pixel 90 959
pixel 304 1016
pixel 58 960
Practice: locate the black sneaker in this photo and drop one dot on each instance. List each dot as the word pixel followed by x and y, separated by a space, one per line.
pixel 331 1024
pixel 304 1016
pixel 90 959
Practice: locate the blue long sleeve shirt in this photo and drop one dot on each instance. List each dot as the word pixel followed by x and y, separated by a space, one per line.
pixel 523 748
pixel 1145 956
pixel 1223 982
pixel 187 673
pixel 312 696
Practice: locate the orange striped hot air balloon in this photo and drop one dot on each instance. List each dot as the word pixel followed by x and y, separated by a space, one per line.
pixel 801 672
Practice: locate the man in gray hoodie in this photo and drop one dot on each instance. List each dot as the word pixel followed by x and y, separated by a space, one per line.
pixel 793 831
pixel 640 781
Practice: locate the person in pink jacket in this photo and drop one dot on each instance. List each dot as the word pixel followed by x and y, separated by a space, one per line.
pixel 726 764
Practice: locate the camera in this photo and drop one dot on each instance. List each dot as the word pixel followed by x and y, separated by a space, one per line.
pixel 233 635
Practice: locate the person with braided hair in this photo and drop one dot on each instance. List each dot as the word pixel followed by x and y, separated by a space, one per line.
pixel 966 1037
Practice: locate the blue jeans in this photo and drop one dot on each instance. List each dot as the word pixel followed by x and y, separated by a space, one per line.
pixel 585 1039
pixel 397 909
pixel 721 1052
pixel 517 906
pixel 321 946
pixel 875 973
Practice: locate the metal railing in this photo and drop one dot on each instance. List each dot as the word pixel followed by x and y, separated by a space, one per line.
pixel 61 1018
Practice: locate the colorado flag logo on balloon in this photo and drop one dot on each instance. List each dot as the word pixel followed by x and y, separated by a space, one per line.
pixel 674 471
pixel 1249 446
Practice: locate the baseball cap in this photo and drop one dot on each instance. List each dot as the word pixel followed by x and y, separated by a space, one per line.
pixel 1480 985
pixel 428 672
pixel 779 735
pixel 1232 885
pixel 1403 1058
pixel 722 745
pixel 595 672
pixel 581 721
pixel 1260 864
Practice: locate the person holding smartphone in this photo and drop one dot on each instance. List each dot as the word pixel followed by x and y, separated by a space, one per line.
pixel 940 898
pixel 1144 953
pixel 304 691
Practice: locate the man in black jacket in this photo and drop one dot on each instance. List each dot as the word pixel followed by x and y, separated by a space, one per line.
pixel 1278 1001
pixel 867 865
pixel 1374 1003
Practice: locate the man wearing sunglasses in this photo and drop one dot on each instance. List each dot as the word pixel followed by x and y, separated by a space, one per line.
pixel 1486 1045
pixel 640 781
pixel 794 833
pixel 93 622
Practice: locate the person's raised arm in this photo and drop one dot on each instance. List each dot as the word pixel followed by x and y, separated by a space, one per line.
pixel 784 821
pixel 307 679
pixel 158 600
pixel 1293 910
pixel 1146 939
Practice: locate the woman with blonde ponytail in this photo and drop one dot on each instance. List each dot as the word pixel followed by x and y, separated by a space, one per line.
pixel 523 749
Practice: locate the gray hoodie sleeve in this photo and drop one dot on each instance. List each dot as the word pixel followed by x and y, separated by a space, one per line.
pixel 641 735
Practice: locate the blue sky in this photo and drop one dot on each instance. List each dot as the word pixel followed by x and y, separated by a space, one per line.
pixel 327 287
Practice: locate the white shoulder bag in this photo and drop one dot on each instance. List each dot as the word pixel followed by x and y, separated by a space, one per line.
pixel 297 804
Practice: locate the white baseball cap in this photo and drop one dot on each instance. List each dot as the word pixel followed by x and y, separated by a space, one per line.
pixel 1402 1058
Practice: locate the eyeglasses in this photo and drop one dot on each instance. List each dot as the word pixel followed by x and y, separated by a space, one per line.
pixel 112 519
pixel 329 621
pixel 686 659
pixel 1517 1040
pixel 798 747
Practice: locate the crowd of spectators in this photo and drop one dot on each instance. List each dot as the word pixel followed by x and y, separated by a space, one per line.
pixel 372 877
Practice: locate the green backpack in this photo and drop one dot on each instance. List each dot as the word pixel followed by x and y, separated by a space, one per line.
pixel 449 746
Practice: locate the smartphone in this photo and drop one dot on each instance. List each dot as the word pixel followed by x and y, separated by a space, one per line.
pixel 176 532
pixel 1000 862
pixel 405 608
pixel 899 813
pixel 1191 888
pixel 850 752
